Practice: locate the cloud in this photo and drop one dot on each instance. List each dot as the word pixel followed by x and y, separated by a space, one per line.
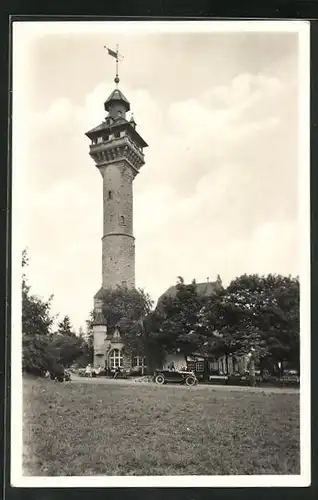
pixel 218 187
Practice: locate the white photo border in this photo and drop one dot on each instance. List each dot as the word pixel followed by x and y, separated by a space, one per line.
pixel 33 29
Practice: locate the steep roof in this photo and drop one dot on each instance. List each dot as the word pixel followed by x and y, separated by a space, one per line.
pixel 99 319
pixel 117 95
pixel 100 293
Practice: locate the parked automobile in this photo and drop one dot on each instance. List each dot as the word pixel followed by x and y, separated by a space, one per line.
pixel 291 372
pixel 174 376
pixel 290 377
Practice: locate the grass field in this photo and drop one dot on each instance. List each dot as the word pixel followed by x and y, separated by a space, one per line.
pixel 88 429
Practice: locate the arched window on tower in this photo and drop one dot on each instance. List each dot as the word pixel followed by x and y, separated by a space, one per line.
pixel 109 195
pixel 122 220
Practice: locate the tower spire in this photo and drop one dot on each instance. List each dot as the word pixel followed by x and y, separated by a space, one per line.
pixel 117 77
pixel 118 58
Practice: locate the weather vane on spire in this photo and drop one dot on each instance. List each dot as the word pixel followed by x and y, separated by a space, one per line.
pixel 118 58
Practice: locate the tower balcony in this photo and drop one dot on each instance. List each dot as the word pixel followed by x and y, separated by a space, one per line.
pixel 121 148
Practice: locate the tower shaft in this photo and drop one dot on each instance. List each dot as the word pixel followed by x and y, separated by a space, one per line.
pixel 118 244
pixel 117 150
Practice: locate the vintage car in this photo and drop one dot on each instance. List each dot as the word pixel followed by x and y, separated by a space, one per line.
pixel 174 376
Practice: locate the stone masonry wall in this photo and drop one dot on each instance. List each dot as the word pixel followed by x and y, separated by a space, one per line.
pixel 118 255
pixel 118 261
pixel 99 333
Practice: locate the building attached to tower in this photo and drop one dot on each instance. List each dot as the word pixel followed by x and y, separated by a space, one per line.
pixel 118 152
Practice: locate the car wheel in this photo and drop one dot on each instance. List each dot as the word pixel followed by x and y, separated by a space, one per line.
pixel 190 381
pixel 160 379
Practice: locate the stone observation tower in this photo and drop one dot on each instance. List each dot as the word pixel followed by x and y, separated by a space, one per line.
pixel 117 150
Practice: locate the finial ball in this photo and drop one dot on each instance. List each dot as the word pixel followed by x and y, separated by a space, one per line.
pixel 116 80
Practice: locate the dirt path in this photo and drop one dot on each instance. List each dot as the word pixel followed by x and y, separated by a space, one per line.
pixel 134 382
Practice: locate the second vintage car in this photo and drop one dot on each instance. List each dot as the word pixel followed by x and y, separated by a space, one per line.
pixel 174 376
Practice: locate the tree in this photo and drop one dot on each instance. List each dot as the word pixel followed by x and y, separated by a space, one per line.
pixel 179 326
pixel 36 312
pixel 89 324
pixel 43 350
pixel 65 327
pixel 25 258
pixel 67 348
pixel 37 351
pixel 271 306
pixel 124 309
pixel 259 313
pixel 219 325
pixel 88 338
pixel 38 355
pixel 148 341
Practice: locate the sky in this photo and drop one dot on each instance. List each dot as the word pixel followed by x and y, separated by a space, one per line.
pixel 218 194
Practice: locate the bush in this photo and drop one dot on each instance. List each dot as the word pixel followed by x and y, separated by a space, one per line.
pixel 38 356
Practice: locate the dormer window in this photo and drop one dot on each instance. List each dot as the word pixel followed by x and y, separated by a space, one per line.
pixel 117 134
pixel 116 333
pixel 99 139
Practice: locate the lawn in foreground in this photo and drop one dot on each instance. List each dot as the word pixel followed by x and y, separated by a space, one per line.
pixel 88 429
